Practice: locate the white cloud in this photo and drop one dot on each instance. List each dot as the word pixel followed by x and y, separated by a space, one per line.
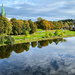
pixel 52 10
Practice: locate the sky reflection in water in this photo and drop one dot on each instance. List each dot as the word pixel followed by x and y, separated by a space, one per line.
pixel 51 57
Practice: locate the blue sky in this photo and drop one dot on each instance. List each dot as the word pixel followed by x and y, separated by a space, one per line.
pixel 32 9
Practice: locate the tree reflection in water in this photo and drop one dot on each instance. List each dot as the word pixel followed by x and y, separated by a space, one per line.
pixel 5 51
pixel 46 42
pixel 34 44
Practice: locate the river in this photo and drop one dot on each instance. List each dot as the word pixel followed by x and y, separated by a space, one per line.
pixel 49 57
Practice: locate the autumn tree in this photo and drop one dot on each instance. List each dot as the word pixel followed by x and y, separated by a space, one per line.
pixel 51 24
pixel 61 23
pixel 44 24
pixel 59 26
pixel 66 26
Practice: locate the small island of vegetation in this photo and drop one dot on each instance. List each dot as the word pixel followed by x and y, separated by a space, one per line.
pixel 21 31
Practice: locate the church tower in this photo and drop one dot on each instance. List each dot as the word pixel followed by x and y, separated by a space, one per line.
pixel 3 12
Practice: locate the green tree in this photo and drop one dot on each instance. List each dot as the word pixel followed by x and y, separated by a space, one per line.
pixel 26 26
pixel 17 26
pixel 39 19
pixel 56 25
pixel 47 35
pixel 33 28
pixel 5 26
pixel 30 22
pixel 51 34
pixel 56 33
pixel 1 27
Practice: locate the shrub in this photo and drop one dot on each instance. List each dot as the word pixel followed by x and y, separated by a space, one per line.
pixel 28 36
pixel 51 34
pixel 10 40
pixel 56 33
pixel 62 34
pixel 26 33
pixel 47 35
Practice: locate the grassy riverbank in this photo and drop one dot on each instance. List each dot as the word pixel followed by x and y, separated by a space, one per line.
pixel 39 39
pixel 40 35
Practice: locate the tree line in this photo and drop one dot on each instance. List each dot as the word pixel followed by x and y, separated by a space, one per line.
pixel 50 25
pixel 18 27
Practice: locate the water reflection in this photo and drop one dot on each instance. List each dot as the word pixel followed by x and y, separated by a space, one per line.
pixel 47 42
pixel 34 44
pixel 50 57
pixel 5 51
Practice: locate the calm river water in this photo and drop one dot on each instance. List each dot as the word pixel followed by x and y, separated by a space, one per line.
pixel 50 57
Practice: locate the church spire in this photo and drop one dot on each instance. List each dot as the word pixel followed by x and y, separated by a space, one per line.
pixel 2 11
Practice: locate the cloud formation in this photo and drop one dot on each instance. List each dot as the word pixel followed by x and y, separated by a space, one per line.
pixel 32 9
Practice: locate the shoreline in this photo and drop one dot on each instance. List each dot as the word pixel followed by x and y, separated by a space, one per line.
pixel 38 39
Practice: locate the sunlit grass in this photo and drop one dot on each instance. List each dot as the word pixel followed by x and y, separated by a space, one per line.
pixel 38 36
pixel 39 30
pixel 42 34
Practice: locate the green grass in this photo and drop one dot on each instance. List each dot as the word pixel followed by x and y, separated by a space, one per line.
pixel 18 37
pixel 67 32
pixel 37 36
pixel 42 34
pixel 39 30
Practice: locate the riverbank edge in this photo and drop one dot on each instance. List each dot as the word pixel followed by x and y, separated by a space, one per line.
pixel 38 39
